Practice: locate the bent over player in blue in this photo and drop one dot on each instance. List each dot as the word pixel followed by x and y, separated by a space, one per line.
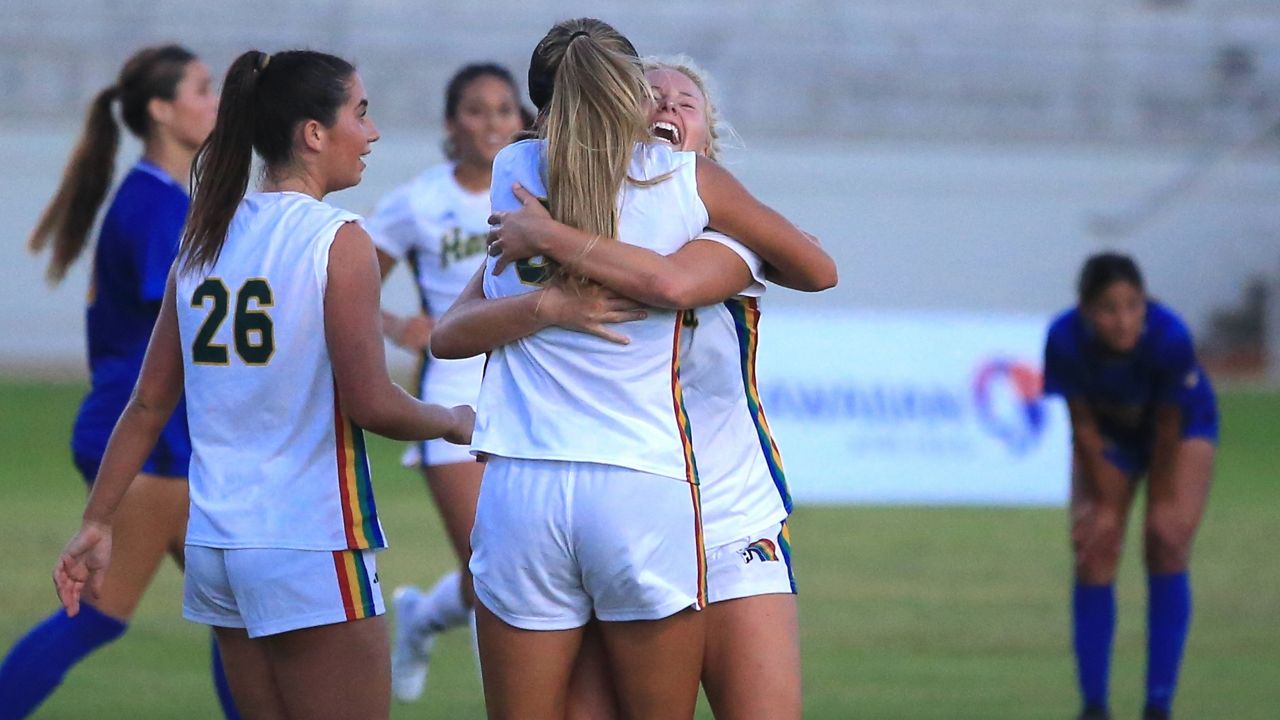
pixel 1140 406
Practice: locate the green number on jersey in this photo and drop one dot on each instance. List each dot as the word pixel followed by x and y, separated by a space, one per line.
pixel 253 329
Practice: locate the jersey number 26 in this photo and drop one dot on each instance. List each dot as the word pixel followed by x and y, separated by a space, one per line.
pixel 254 333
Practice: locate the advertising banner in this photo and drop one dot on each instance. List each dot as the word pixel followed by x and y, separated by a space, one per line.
pixel 922 408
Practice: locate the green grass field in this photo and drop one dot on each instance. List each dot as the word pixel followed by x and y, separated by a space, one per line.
pixel 905 612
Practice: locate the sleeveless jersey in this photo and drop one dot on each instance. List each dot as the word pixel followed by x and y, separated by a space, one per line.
pixel 276 463
pixel 440 230
pixel 743 488
pixel 564 395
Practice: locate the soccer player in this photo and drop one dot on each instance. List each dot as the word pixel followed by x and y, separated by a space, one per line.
pixel 437 223
pixel 589 506
pixel 751 621
pixel 165 97
pixel 270 321
pixel 1140 406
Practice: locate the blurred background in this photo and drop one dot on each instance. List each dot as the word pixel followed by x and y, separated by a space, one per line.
pixel 965 154
pixel 959 159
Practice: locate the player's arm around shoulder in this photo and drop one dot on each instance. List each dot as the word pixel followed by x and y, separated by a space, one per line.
pixel 353 334
pixel 796 259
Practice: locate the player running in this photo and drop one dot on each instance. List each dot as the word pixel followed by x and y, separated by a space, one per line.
pixel 165 97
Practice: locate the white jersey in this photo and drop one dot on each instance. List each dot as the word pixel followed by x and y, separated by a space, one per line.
pixel 439 229
pixel 743 488
pixel 564 395
pixel 275 461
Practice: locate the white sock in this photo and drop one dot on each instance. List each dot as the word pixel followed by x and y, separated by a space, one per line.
pixel 443 608
pixel 475 646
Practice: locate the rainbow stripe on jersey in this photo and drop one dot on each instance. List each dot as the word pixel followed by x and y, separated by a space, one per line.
pixel 746 321
pixel 690 462
pixel 355 488
pixel 353 584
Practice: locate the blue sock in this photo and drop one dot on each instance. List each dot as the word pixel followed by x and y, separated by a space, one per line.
pixel 1094 622
pixel 1168 619
pixel 225 700
pixel 36 665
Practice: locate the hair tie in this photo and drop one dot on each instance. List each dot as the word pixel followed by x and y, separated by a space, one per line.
pixel 264 61
pixel 577 34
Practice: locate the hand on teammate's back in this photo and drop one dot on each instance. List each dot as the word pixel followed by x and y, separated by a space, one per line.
pixel 590 308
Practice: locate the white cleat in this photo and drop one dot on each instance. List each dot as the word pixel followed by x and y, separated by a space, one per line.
pixel 410 646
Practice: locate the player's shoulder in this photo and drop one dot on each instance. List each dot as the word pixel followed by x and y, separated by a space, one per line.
pixel 1162 319
pixel 520 152
pixel 1065 330
pixel 1166 330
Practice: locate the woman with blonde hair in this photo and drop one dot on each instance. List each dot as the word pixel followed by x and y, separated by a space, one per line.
pixel 590 502
pixel 751 620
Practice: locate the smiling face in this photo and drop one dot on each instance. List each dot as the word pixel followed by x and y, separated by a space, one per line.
pixel 679 114
pixel 1117 315
pixel 348 140
pixel 486 118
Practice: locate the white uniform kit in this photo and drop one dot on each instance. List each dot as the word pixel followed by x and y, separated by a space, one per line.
pixel 590 503
pixel 745 501
pixel 283 523
pixel 438 228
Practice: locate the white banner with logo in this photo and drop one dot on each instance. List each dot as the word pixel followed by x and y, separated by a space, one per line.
pixel 913 408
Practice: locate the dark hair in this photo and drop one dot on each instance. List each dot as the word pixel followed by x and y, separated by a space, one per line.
pixel 1102 270
pixel 150 73
pixel 546 59
pixel 264 99
pixel 462 79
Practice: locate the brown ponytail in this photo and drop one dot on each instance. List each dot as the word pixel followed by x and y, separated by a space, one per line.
pixel 65 223
pixel 69 216
pixel 220 173
pixel 264 98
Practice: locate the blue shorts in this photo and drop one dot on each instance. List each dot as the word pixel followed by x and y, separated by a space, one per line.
pixel 160 463
pixel 1201 421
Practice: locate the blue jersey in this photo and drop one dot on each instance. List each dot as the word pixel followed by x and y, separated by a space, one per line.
pixel 1123 391
pixel 136 247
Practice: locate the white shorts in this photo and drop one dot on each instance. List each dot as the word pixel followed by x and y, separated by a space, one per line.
pixel 268 591
pixel 557 542
pixel 447 383
pixel 758 564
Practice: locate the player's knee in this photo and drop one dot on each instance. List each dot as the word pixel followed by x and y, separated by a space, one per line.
pixel 1097 541
pixel 1168 543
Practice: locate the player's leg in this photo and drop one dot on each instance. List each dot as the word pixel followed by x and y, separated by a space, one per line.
pixel 530 602
pixel 1099 511
pixel 656 664
pixel 638 538
pixel 751 666
pixel 591 692
pixel 249 675
pixel 455 488
pixel 152 512
pixel 333 672
pixel 526 672
pixel 421 615
pixel 1175 507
